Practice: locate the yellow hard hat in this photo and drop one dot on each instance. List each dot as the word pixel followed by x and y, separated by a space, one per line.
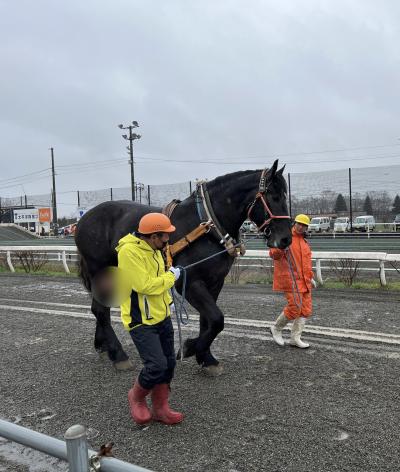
pixel 303 219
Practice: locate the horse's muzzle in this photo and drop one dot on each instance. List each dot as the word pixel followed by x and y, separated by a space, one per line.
pixel 279 243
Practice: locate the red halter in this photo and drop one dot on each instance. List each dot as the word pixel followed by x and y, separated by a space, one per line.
pixel 261 195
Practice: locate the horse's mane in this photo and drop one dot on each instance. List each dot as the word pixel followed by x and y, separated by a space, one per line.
pixel 220 182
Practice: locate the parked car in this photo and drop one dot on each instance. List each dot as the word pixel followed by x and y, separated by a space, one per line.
pixel 319 224
pixel 248 227
pixel 67 230
pixel 342 224
pixel 396 223
pixel 364 223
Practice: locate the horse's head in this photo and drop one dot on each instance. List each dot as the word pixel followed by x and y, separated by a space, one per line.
pixel 269 209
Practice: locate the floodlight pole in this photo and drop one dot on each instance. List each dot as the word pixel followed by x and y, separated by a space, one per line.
pixel 131 163
pixel 132 136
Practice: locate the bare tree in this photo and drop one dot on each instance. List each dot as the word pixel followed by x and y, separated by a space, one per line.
pixel 31 261
pixel 345 270
pixel 236 272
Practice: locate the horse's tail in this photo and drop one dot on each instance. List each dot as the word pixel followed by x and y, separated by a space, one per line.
pixel 83 272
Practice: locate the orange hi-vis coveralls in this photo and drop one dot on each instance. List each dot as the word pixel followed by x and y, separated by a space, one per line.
pixel 303 274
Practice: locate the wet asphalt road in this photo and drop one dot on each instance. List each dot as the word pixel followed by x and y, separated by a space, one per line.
pixel 333 407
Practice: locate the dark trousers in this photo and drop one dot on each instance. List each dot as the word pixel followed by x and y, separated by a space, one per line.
pixel 155 345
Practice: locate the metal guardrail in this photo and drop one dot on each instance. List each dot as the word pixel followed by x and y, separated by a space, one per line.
pixel 71 252
pixel 74 449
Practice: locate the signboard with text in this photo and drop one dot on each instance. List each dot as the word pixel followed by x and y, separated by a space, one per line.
pixel 26 216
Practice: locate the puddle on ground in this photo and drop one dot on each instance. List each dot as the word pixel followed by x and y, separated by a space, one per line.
pixel 45 415
pixel 341 436
pixel 345 375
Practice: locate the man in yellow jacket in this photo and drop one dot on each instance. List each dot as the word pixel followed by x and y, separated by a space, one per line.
pixel 146 315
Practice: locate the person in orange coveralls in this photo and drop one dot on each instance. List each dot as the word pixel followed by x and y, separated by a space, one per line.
pixel 293 275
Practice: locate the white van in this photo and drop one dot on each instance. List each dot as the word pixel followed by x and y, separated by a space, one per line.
pixel 341 225
pixel 364 223
pixel 248 227
pixel 319 224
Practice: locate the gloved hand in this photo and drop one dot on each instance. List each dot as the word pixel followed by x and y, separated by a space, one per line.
pixel 172 308
pixel 176 271
pixel 314 283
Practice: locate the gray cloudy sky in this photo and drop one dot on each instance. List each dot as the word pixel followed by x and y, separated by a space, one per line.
pixel 234 82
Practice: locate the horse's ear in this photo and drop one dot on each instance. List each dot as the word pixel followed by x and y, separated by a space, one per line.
pixel 280 171
pixel 272 171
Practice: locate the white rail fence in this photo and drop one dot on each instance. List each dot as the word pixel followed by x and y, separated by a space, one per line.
pixel 380 258
pixel 69 254
pixel 74 449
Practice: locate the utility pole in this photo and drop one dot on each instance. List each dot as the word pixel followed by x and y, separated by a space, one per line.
pixel 55 220
pixel 351 203
pixel 131 137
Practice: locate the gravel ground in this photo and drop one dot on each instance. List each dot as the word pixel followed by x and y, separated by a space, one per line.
pixel 333 407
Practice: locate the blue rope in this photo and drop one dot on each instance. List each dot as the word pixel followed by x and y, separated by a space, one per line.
pixel 182 316
pixel 199 202
pixel 180 310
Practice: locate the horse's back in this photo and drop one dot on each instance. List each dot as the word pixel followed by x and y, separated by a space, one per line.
pixel 100 229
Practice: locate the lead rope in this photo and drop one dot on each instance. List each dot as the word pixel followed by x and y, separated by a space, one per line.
pixel 295 289
pixel 181 310
pixel 182 317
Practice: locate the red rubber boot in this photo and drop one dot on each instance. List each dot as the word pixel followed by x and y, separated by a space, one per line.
pixel 137 404
pixel 161 410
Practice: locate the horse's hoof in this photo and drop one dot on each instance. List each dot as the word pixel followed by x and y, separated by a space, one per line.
pixel 124 365
pixel 103 355
pixel 212 370
pixel 188 349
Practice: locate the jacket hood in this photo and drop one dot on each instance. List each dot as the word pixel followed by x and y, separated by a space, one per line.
pixel 297 235
pixel 132 239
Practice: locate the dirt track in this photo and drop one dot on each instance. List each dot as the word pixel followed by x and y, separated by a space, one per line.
pixel 333 407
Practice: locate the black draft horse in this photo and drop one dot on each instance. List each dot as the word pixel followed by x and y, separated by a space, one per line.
pixel 255 194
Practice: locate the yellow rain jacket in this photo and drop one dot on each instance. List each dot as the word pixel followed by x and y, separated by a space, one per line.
pixel 150 298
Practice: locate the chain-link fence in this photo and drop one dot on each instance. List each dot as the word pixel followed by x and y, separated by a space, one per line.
pixel 345 192
pixel 157 195
pixel 44 200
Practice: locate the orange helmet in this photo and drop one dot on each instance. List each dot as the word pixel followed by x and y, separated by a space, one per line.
pixel 155 223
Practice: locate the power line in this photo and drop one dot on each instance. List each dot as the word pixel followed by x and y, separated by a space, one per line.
pixel 18 184
pixel 92 168
pixel 77 166
pixel 23 177
pixel 278 154
pixel 247 162
pixel 226 161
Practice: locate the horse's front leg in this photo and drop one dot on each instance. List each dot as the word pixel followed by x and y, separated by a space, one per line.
pixel 106 340
pixel 211 323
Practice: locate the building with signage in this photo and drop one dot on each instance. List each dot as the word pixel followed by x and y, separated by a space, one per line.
pixel 36 220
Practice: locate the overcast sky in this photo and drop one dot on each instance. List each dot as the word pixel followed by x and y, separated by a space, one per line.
pixel 233 82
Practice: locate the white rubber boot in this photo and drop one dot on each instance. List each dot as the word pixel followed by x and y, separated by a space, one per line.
pixel 297 329
pixel 276 329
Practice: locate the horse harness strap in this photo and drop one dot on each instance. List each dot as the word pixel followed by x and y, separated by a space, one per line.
pixel 172 249
pixel 226 240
